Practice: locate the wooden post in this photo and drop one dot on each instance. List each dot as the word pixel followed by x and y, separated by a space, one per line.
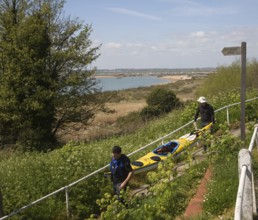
pixel 228 51
pixel 243 90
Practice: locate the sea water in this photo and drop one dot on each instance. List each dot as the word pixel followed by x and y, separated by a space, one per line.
pixel 115 83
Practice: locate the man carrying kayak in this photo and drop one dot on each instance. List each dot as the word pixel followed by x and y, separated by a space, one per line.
pixel 206 113
pixel 121 170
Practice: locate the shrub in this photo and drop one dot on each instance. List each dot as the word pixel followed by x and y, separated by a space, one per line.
pixel 159 101
pixel 150 112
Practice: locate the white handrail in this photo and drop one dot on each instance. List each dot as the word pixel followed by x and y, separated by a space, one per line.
pixel 242 186
pixel 251 145
pixel 240 192
pixel 65 188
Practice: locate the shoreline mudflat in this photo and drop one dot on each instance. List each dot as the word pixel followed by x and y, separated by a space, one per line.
pixel 173 78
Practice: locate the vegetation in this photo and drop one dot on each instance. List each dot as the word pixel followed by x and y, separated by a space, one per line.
pixel 160 101
pixel 165 200
pixel 45 79
pixel 228 78
pixel 171 202
pixel 27 177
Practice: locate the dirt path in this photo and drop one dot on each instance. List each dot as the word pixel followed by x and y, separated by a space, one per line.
pixel 195 206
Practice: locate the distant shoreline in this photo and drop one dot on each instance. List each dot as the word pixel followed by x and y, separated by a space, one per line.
pixel 173 78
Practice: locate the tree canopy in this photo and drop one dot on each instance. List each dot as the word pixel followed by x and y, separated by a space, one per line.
pixel 45 72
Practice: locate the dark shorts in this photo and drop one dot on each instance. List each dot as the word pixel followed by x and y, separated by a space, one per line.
pixel 116 188
pixel 203 124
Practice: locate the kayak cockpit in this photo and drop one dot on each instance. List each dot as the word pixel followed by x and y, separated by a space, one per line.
pixel 167 148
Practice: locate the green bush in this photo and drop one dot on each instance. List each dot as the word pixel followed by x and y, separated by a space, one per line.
pixel 150 112
pixel 159 101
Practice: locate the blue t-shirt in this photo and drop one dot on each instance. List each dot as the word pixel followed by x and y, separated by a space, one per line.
pixel 120 168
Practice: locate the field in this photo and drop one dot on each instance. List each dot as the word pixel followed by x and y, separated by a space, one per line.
pixel 125 102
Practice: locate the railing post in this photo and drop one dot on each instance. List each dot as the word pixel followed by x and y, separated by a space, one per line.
pixel 67 202
pixel 228 115
pixel 256 136
pixel 240 193
pixel 246 208
pixel 254 197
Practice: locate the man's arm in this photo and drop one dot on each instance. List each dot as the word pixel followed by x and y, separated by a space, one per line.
pixel 129 176
pixel 212 115
pixel 196 116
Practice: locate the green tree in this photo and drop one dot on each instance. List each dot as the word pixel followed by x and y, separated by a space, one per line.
pixel 45 79
pixel 159 101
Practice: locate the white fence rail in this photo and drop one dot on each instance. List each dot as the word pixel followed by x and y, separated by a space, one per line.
pixel 65 188
pixel 245 207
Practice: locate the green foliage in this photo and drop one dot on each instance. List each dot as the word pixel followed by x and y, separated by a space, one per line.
pixel 25 92
pixel 149 112
pixel 159 101
pixel 45 81
pixel 228 78
pixel 164 99
pixel 224 174
pixel 32 176
pixel 27 177
pixel 255 163
pixel 165 199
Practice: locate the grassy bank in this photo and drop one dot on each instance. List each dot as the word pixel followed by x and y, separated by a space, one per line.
pixel 27 177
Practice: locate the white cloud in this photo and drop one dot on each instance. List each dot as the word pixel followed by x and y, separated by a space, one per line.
pixel 135 14
pixel 198 48
pixel 113 45
pixel 192 8
pixel 134 45
pixel 204 11
pixel 198 34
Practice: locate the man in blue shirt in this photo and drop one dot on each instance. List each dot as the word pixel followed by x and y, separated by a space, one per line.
pixel 121 170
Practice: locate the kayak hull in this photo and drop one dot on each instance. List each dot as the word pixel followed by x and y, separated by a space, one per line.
pixel 174 149
pixel 171 149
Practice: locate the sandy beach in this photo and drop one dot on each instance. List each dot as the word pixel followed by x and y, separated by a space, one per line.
pixel 175 78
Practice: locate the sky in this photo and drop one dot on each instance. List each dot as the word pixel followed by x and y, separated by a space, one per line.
pixel 167 33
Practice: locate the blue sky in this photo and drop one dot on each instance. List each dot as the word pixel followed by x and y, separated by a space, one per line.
pixel 168 33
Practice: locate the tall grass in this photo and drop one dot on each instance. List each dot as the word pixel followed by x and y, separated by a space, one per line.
pixel 228 78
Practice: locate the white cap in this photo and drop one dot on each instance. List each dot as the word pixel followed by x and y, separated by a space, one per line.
pixel 202 99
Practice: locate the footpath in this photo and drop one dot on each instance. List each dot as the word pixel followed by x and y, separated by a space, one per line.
pixel 194 207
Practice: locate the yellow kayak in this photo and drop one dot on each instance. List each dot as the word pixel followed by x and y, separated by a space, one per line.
pixel 172 148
